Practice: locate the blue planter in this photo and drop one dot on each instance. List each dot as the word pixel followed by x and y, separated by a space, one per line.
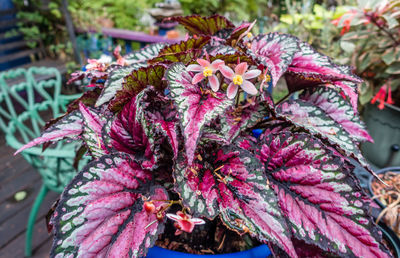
pixel 261 251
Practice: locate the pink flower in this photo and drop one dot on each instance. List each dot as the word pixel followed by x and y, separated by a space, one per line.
pixel 184 222
pixel 206 69
pixel 240 78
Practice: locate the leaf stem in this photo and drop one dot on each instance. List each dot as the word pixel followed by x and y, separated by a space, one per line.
pixel 284 98
pixel 375 22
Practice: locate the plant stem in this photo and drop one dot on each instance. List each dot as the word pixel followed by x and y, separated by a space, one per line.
pixel 374 21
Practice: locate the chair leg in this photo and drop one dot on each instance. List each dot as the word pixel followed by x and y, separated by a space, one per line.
pixel 32 217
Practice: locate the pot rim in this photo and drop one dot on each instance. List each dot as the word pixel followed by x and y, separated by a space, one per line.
pixel 258 251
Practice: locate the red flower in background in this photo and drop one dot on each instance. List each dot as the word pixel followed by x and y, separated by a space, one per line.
pixel 346 22
pixel 382 94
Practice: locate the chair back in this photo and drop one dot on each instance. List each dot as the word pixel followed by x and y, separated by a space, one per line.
pixel 25 96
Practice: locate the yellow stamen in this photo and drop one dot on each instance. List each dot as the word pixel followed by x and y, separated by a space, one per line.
pixel 238 80
pixel 207 72
pixel 249 35
pixel 267 78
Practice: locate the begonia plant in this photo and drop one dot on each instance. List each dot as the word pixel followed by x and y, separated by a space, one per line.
pixel 173 125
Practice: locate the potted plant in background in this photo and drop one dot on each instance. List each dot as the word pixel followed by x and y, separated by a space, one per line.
pixel 170 130
pixel 370 32
pixel 388 198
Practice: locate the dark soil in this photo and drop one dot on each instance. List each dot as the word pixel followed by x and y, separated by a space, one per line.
pixel 210 238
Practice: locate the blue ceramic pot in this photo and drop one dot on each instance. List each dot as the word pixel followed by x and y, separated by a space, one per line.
pixel 261 251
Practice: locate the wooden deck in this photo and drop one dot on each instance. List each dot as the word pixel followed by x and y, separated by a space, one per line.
pixel 17 175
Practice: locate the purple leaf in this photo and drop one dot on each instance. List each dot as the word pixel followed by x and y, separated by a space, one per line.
pixel 69 126
pixel 126 134
pixel 135 82
pixel 314 120
pixel 196 108
pixel 237 32
pixel 333 104
pixel 230 182
pixel 88 98
pixel 115 81
pixel 319 196
pixel 199 25
pixel 100 213
pixel 93 122
pixel 310 68
pixel 275 51
pixel 158 117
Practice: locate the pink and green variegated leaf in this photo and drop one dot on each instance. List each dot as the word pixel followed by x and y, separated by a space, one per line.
pixel 114 82
pixel 236 120
pixel 196 108
pixel 100 213
pixel 199 25
pixel 230 182
pixel 69 126
pixel 141 56
pixel 315 121
pixel 319 196
pixel 93 122
pixel 309 62
pixel 220 50
pixel 333 104
pixel 125 134
pixel 135 82
pixel 275 51
pixel 158 117
pixel 233 58
pixel 310 68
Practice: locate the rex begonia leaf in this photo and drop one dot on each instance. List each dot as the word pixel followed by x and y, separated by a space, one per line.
pixel 158 117
pixel 126 134
pixel 135 82
pixel 275 51
pixel 333 104
pixel 199 25
pixel 69 126
pixel 141 56
pixel 310 68
pixel 230 182
pixel 100 213
pixel 114 82
pixel 319 196
pixel 93 122
pixel 88 98
pixel 238 31
pixel 314 120
pixel 235 120
pixel 184 51
pixel 233 58
pixel 195 106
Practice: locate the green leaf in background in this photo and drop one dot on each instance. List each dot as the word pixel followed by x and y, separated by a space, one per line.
pixel 392 22
pixel 347 46
pixel 394 68
pixel 388 57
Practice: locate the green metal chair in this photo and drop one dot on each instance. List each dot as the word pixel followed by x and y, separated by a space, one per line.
pixel 23 106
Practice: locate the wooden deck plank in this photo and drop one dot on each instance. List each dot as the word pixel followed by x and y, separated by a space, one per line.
pixel 16 225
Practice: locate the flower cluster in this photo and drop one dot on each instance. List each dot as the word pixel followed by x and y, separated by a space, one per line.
pixel 381 95
pixel 240 77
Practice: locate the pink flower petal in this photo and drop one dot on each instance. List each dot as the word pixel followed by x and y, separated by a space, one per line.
pixel 203 62
pixel 186 225
pixel 249 88
pixel 251 74
pixel 197 221
pixel 198 77
pixel 226 71
pixel 214 83
pixel 216 64
pixel 232 90
pixel 173 216
pixel 241 68
pixel 194 68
